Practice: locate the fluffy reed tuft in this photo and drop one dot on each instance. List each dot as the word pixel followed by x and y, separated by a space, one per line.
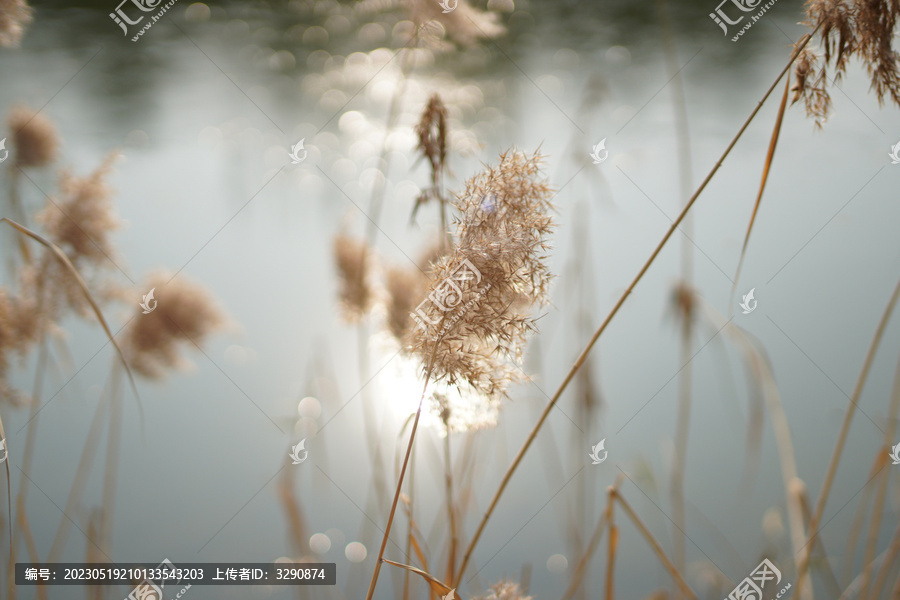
pixel 861 28
pixel 34 136
pixel 432 133
pixel 185 312
pixel 505 590
pixel 405 288
pixel 475 320
pixel 352 261
pixel 14 16
pixel 8 337
pixel 81 222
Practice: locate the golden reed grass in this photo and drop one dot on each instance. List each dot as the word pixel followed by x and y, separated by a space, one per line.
pixel 501 243
pixel 77 224
pixel 15 15
pixel 34 136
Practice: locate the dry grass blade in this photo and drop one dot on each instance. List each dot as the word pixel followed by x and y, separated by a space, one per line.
pixel 834 588
pixel 82 475
pixel 762 185
pixel 856 527
pixel 803 564
pixel 890 557
pixel 687 591
pixel 875 522
pixel 61 256
pixel 581 568
pixel 412 438
pixel 613 544
pixel 596 336
pixel 291 507
pixel 8 495
pixel 437 586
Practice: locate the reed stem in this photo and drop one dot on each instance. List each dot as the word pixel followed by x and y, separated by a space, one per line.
pixel 584 354
pixel 803 564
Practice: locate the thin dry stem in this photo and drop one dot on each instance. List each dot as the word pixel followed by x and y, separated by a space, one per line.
pixel 803 563
pixel 584 354
pixel 685 589
pixel 613 544
pixel 67 264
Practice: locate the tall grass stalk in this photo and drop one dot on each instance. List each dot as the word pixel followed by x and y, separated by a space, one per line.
pixel 451 512
pixel 584 354
pixel 613 544
pixel 593 543
pixel 57 252
pixel 9 523
pixel 80 480
pixel 27 455
pixel 676 576
pixel 803 563
pixel 883 466
pixel 890 561
pixel 409 447
pixel 111 469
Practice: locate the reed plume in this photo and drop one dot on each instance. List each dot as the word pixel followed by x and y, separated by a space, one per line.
pixel 82 221
pixel 9 340
pixel 34 136
pixel 185 312
pixel 864 29
pixel 353 264
pixel 404 286
pixel 14 16
pixel 431 132
pixel 474 323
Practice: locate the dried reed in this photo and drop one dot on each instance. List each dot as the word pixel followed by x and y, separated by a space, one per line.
pixel 15 15
pixel 501 237
pixel 584 354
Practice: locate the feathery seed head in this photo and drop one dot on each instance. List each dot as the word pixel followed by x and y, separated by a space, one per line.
pixel 432 133
pixel 185 312
pixel 14 16
pixel 352 260
pixel 475 319
pixel 861 28
pixel 404 286
pixel 80 223
pixel 34 137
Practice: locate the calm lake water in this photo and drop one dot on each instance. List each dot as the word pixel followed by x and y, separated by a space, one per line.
pixel 204 109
